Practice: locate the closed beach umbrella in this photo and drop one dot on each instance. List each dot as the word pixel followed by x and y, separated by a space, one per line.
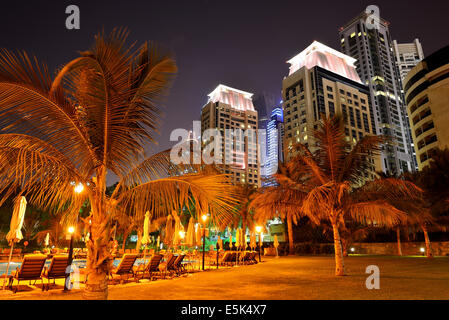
pixel 245 241
pixel 178 229
pixel 190 236
pixel 145 237
pixel 47 239
pixel 230 241
pixel 252 242
pixel 276 243
pixel 220 242
pixel 15 231
pixel 146 230
pixel 158 242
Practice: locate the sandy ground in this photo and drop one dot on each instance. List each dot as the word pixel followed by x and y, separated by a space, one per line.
pixel 286 278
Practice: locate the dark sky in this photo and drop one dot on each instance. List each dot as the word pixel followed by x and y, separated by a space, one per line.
pixel 243 44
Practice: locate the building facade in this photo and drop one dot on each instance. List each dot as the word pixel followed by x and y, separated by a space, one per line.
pixel 275 136
pixel 263 103
pixel 407 56
pixel 426 89
pixel 376 67
pixel 231 112
pixel 321 81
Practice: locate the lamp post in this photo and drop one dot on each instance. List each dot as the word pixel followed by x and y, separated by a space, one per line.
pixel 204 218
pixel 259 231
pixel 71 230
pixel 78 188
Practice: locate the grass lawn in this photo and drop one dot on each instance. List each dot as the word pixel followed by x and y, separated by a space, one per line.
pixel 295 277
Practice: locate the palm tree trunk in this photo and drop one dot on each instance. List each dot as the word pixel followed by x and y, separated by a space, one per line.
pixel 99 258
pixel 290 234
pixel 99 262
pixel 244 225
pixel 139 240
pixel 429 252
pixel 398 236
pixel 344 244
pixel 125 236
pixel 339 263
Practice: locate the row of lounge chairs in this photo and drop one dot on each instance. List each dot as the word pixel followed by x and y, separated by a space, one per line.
pixel 235 257
pixel 33 268
pixel 154 268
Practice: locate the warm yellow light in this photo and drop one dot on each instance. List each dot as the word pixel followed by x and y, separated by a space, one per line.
pixel 71 229
pixel 258 229
pixel 422 250
pixel 204 217
pixel 352 249
pixel 79 188
pixel 182 234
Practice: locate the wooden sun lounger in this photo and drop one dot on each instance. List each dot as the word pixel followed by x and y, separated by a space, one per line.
pixel 152 267
pixel 31 269
pixel 168 265
pixel 177 266
pixel 56 270
pixel 125 268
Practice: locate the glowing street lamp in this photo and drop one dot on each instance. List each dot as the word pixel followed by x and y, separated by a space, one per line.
pixel 70 231
pixel 79 188
pixel 204 218
pixel 259 231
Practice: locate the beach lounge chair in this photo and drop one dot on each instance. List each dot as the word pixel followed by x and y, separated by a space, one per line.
pixel 151 268
pixel 223 260
pixel 253 257
pixel 177 266
pixel 31 269
pixel 125 267
pixel 56 270
pixel 167 266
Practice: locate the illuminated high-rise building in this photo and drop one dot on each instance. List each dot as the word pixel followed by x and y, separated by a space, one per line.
pixel 323 81
pixel 275 136
pixel 231 112
pixel 371 45
pixel 427 95
pixel 407 56
pixel 263 103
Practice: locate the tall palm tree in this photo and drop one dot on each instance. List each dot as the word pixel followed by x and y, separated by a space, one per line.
pixel 93 118
pixel 246 193
pixel 335 172
pixel 282 200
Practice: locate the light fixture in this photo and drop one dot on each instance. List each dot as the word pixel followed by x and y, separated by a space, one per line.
pixel 71 230
pixel 258 229
pixel 79 188
pixel 204 217
pixel 422 250
pixel 182 234
pixel 352 249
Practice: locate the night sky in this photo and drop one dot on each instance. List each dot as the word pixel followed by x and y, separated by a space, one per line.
pixel 243 44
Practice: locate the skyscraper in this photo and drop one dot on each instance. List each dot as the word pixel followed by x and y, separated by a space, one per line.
pixel 275 136
pixel 407 55
pixel 231 112
pixel 376 67
pixel 427 96
pixel 263 103
pixel 322 80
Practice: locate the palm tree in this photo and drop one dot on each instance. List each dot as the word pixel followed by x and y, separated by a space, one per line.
pixel 246 192
pixel 282 200
pixel 93 118
pixel 335 172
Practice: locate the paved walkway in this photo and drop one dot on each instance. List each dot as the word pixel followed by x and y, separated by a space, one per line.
pixel 291 278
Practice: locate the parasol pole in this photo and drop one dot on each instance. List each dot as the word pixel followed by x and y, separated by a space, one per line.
pixel 7 266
